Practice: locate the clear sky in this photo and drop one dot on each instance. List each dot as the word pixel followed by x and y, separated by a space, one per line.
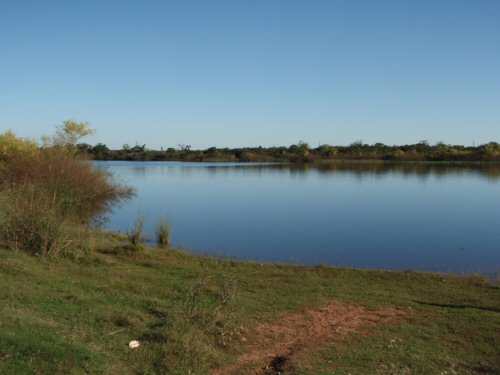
pixel 248 73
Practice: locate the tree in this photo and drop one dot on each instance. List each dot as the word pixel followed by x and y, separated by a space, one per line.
pixel 138 148
pixel 68 134
pixel 184 148
pixel 327 150
pixel 84 148
pixel 10 144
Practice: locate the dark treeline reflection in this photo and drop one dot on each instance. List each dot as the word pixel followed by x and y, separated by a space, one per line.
pixel 488 171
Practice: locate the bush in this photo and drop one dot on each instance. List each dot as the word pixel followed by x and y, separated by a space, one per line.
pixel 48 195
pixel 82 190
pixel 31 220
pixel 10 143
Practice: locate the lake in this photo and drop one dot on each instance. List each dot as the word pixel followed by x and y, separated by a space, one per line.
pixel 398 217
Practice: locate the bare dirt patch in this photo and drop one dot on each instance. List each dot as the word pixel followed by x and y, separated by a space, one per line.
pixel 275 344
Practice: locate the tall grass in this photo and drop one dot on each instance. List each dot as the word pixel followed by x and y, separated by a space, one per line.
pixel 162 232
pixel 135 235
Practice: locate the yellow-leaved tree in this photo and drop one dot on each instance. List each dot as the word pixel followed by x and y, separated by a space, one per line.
pixel 11 144
pixel 68 134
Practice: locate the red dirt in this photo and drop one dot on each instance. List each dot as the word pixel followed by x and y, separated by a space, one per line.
pixel 275 344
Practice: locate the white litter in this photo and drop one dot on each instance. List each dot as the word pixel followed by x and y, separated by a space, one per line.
pixel 133 344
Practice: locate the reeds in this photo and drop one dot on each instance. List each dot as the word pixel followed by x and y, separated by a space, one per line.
pixel 162 232
pixel 135 235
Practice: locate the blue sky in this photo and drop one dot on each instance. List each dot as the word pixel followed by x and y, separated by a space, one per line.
pixel 248 73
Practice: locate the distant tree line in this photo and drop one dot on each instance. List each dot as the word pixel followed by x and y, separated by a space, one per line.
pixel 301 153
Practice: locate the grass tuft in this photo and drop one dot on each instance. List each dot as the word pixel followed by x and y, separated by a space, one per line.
pixel 163 233
pixel 135 235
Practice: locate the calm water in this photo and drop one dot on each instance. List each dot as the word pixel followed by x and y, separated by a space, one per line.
pixel 432 218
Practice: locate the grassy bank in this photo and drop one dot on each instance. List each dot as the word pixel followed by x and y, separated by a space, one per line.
pixel 62 316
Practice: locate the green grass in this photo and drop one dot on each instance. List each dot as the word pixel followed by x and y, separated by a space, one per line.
pixel 67 317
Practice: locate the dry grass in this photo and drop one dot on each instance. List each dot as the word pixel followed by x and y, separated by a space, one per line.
pixel 48 196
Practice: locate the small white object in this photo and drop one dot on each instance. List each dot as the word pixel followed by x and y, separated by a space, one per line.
pixel 133 344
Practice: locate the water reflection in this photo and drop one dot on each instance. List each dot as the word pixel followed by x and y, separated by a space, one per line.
pixel 433 217
pixel 489 171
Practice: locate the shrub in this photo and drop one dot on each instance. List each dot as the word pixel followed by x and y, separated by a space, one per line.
pixel 83 190
pixel 31 220
pixel 48 194
pixel 163 233
pixel 10 144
